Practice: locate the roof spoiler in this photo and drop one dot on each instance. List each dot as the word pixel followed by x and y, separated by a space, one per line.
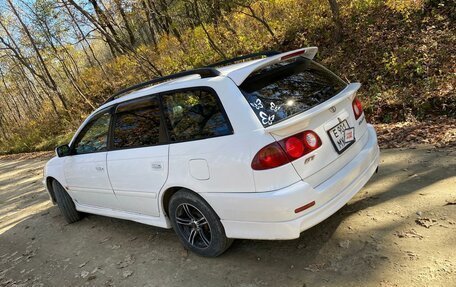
pixel 244 57
pixel 239 75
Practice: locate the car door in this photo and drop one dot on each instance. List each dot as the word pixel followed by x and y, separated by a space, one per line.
pixel 85 169
pixel 138 158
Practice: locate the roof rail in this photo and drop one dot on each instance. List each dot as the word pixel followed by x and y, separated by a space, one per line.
pixel 245 57
pixel 205 72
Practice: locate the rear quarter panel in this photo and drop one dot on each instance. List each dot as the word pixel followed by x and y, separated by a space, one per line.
pixel 227 157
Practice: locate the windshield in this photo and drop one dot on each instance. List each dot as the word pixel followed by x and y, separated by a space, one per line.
pixel 285 89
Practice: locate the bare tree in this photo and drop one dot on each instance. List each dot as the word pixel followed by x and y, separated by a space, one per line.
pixel 209 38
pixel 58 56
pixel 127 25
pixel 251 13
pixel 47 77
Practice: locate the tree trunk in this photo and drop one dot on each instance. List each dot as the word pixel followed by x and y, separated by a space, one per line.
pixel 105 23
pixel 131 36
pixel 337 22
pixel 16 115
pixel 4 126
pixel 35 89
pixel 259 19
pixel 112 38
pixel 209 38
pixel 50 80
pixel 84 38
pixel 66 69
pixel 148 15
pixel 100 24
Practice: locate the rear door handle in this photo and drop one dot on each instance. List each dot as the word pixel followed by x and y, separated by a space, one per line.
pixel 157 165
pixel 99 168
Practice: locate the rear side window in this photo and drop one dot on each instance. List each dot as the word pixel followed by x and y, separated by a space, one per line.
pixel 193 115
pixel 282 90
pixel 137 124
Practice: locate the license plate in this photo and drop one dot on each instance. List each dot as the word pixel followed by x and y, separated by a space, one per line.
pixel 342 136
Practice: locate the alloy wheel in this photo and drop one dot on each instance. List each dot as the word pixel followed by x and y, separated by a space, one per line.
pixel 193 225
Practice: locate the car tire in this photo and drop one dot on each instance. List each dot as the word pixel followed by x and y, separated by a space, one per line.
pixel 197 225
pixel 65 203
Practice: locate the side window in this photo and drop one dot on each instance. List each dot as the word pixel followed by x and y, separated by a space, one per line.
pixel 94 137
pixel 137 124
pixel 194 114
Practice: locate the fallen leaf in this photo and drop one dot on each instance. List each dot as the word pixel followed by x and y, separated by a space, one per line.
pixel 408 234
pixel 344 244
pixel 104 240
pixel 411 255
pixel 315 267
pixel 129 259
pixel 426 222
pixel 127 273
pixel 85 273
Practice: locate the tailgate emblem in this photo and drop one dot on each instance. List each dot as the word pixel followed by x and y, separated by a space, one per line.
pixel 332 109
pixel 309 159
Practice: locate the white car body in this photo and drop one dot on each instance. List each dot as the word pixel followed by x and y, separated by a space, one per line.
pixel 134 183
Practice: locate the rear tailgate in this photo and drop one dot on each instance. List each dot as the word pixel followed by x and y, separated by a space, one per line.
pixel 290 93
pixel 322 163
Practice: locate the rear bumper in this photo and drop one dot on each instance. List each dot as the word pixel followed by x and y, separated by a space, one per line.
pixel 270 215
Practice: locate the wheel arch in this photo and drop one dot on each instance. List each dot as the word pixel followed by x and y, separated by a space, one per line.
pixel 50 189
pixel 166 197
pixel 170 191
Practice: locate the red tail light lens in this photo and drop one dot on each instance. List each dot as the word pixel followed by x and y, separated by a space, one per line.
pixel 270 156
pixel 286 150
pixel 357 108
pixel 294 147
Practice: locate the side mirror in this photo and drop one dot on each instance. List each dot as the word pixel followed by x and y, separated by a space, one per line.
pixel 63 150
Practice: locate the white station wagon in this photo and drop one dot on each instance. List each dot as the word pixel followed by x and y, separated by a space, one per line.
pixel 263 148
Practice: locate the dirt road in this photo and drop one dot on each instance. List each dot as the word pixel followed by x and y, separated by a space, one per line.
pixel 400 230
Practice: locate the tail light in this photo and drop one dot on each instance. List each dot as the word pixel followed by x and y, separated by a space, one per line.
pixel 311 140
pixel 357 108
pixel 286 150
pixel 270 156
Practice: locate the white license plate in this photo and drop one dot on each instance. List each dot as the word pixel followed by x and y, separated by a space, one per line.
pixel 342 136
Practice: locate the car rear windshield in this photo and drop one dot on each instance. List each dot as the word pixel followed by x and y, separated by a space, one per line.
pixel 283 90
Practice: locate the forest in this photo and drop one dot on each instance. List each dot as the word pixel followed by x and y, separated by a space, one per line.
pixel 60 59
